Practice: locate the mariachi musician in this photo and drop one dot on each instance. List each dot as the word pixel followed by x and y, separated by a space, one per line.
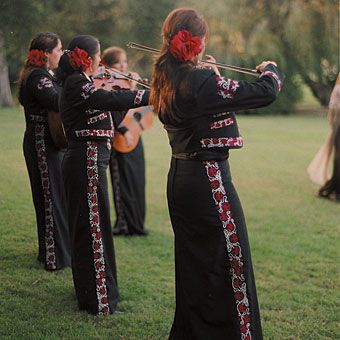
pixel 215 288
pixel 127 169
pixel 38 93
pixel 86 114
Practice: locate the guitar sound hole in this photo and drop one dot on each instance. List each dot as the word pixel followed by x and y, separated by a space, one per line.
pixel 137 116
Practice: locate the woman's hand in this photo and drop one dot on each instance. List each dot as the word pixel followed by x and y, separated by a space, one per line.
pixel 136 76
pixel 262 66
pixel 128 138
pixel 209 57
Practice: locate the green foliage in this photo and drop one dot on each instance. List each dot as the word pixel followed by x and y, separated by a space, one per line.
pixel 301 35
pixel 293 235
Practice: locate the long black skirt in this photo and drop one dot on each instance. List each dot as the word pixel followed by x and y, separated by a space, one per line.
pixel 43 163
pixel 93 257
pixel 215 287
pixel 127 172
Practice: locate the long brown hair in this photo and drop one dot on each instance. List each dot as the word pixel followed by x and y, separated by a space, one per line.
pixel 169 73
pixel 46 42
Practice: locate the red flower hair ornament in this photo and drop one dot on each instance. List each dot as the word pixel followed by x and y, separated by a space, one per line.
pixel 79 59
pixel 184 46
pixel 37 58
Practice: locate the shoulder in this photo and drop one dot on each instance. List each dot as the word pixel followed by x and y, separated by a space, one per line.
pixel 197 77
pixel 40 78
pixel 200 75
pixel 78 84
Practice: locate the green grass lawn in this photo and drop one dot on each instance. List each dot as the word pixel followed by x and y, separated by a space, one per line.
pixel 293 237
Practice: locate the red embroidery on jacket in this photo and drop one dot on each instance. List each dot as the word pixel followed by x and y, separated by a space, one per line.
pixel 273 75
pixel 236 142
pixel 226 88
pixel 233 247
pixel 88 89
pixel 139 97
pixel 96 234
pixel 221 123
pixel 45 181
pixel 97 118
pixel 94 133
pixel 44 83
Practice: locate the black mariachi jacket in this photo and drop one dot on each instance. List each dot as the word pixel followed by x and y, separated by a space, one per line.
pixel 204 126
pixel 38 94
pixel 85 110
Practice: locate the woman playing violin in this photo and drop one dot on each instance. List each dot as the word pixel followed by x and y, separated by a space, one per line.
pixel 127 170
pixel 215 287
pixel 87 118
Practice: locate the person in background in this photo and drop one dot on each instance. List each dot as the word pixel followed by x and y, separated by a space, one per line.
pixel 127 170
pixel 87 117
pixel 215 287
pixel 39 94
pixel 331 189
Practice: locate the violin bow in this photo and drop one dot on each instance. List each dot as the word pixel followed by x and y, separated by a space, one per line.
pixel 223 66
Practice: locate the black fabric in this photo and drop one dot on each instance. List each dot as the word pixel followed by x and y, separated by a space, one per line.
pixel 88 128
pixel 215 287
pixel 128 183
pixel 207 110
pixel 61 232
pixel 205 304
pixel 39 93
pixel 82 106
pixel 83 269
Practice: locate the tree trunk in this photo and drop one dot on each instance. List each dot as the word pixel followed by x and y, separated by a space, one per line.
pixel 5 89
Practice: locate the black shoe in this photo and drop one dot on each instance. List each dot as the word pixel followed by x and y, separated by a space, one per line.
pixel 119 231
pixel 143 232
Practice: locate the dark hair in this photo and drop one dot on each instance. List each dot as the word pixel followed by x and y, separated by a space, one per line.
pixel 111 55
pixel 168 74
pixel 46 42
pixel 88 43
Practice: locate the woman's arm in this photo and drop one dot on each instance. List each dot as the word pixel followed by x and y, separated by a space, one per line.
pixel 81 93
pixel 218 94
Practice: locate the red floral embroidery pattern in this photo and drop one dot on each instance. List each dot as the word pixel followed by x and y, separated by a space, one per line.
pixel 226 88
pixel 139 97
pixel 232 142
pixel 43 168
pixel 37 58
pixel 221 123
pixel 96 234
pixel 94 133
pixel 88 89
pixel 97 118
pixel 273 75
pixel 233 247
pixel 44 83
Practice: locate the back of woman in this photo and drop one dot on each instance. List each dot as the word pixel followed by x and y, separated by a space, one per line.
pixel 215 287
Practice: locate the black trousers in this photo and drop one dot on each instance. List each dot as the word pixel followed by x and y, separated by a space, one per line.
pixel 127 172
pixel 43 163
pixel 215 287
pixel 93 257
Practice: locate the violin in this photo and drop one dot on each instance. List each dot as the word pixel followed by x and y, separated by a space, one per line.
pixel 136 120
pixel 109 80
